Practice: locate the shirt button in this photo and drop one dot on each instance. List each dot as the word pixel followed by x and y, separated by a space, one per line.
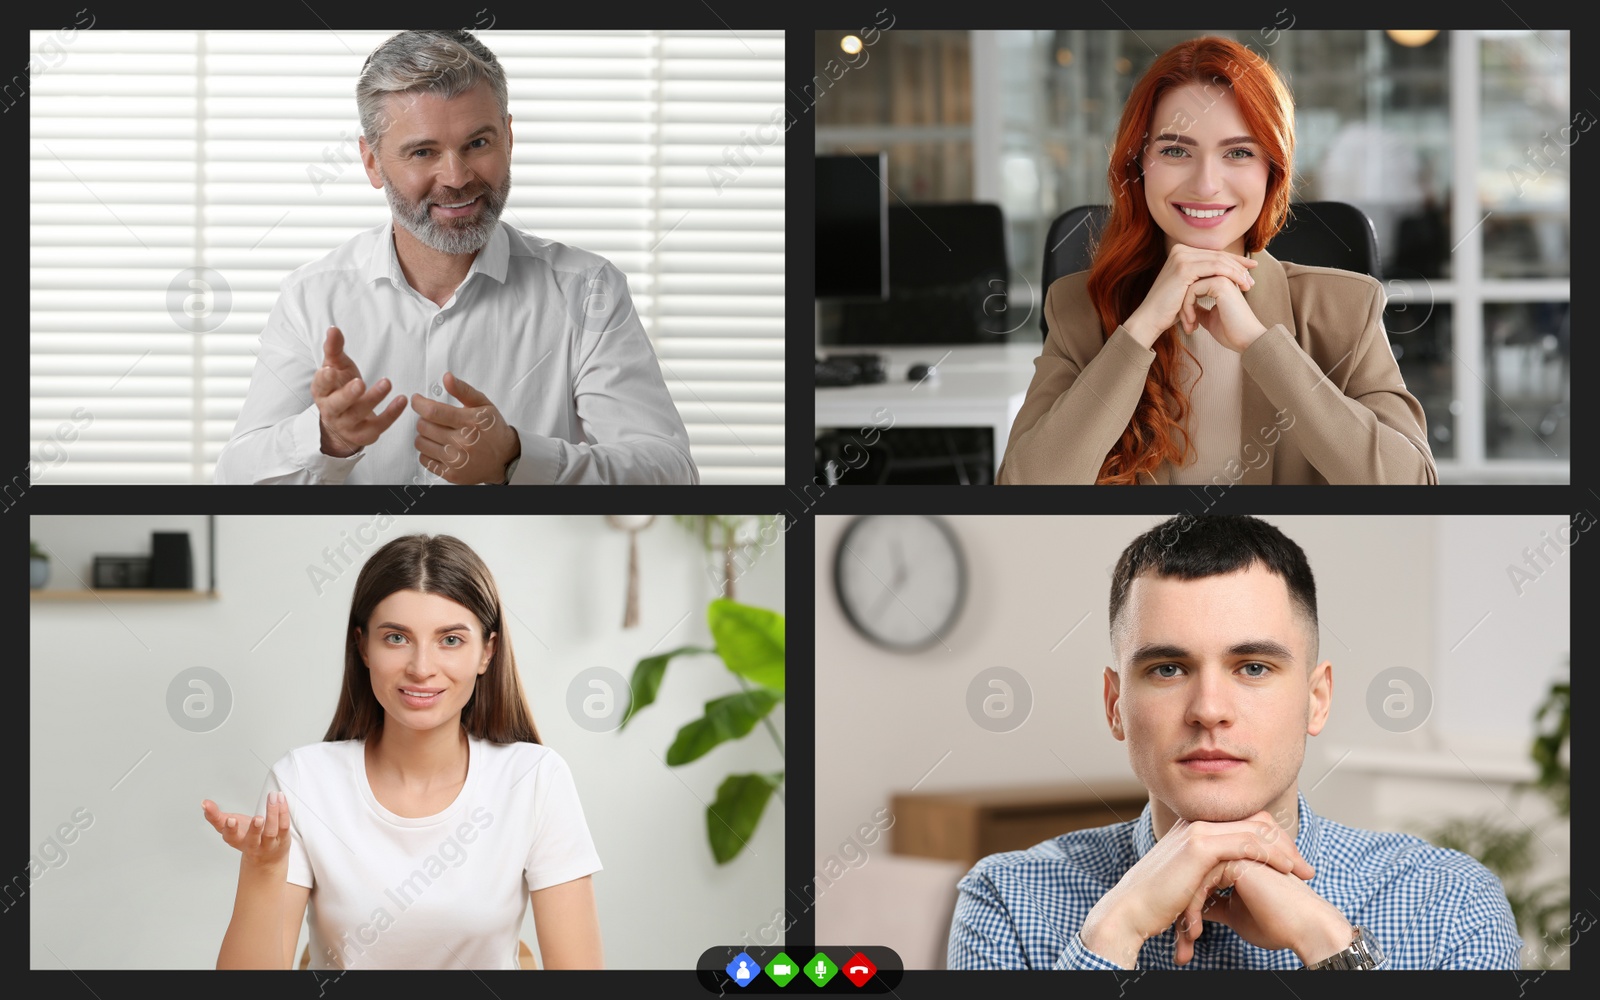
pixel 438 319
pixel 438 390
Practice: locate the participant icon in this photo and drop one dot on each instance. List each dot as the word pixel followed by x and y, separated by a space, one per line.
pixel 743 969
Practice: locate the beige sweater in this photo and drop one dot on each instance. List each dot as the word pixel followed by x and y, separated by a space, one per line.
pixel 1215 402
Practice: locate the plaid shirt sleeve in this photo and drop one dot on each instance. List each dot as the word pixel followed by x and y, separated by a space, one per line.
pixel 982 933
pixel 1482 933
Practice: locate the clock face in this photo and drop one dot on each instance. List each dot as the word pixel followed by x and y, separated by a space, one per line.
pixel 901 579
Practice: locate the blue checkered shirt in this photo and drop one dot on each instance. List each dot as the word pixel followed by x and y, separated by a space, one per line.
pixel 1426 907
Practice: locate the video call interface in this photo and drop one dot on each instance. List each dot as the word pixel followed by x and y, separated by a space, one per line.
pixel 1303 703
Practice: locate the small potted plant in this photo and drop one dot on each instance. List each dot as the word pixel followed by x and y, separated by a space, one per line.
pixel 38 566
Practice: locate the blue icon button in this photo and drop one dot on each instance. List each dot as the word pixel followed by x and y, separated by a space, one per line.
pixel 743 969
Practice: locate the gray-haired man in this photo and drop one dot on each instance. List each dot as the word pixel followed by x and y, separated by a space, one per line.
pixel 537 341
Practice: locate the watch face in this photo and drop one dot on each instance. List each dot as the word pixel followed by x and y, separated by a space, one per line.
pixel 1370 956
pixel 901 579
pixel 1363 953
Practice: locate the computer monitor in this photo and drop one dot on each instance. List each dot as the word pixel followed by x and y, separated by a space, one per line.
pixel 947 281
pixel 852 226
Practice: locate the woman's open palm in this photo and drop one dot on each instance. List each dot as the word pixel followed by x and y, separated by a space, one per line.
pixel 263 840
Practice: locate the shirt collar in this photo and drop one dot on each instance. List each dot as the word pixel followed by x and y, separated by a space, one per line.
pixel 495 257
pixel 492 261
pixel 1308 841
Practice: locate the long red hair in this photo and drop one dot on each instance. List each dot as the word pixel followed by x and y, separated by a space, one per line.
pixel 1132 249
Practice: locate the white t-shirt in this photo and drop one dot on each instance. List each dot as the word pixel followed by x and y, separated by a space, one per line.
pixel 446 891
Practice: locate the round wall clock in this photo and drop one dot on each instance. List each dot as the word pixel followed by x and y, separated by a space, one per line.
pixel 901 579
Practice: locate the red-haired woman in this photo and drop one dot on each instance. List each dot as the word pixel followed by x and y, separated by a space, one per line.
pixel 1299 384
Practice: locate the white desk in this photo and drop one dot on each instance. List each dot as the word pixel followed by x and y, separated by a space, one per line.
pixel 979 385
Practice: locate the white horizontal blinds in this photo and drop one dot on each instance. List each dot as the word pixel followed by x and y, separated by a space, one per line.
pixel 718 272
pixel 283 186
pixel 113 183
pixel 614 135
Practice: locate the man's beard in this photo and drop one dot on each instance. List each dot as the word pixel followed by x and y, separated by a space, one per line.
pixel 453 236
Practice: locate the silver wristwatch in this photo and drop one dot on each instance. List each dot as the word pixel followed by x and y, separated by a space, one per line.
pixel 1363 953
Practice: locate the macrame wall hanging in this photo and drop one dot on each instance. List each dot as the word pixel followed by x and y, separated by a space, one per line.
pixel 632 524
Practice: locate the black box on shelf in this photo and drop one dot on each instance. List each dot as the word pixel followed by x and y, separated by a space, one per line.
pixel 121 572
pixel 171 562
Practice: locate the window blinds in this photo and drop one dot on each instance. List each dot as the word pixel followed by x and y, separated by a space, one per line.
pixel 176 177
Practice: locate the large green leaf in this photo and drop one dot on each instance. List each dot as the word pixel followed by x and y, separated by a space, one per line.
pixel 749 640
pixel 647 677
pixel 726 718
pixel 731 820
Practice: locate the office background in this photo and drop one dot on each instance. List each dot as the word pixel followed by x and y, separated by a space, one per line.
pixel 176 177
pixel 150 885
pixel 1433 594
pixel 1451 145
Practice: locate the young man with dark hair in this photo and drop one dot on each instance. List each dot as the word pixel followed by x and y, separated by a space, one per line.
pixel 1216 687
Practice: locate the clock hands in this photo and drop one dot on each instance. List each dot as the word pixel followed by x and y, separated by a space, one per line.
pixel 877 610
pixel 895 581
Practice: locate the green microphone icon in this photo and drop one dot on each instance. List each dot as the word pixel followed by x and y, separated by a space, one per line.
pixel 820 969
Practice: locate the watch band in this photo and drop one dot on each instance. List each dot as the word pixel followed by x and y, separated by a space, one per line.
pixel 1363 953
pixel 511 468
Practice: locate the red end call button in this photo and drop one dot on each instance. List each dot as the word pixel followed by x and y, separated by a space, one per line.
pixel 859 969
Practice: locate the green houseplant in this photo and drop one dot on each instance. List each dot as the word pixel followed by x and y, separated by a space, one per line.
pixel 750 643
pixel 38 566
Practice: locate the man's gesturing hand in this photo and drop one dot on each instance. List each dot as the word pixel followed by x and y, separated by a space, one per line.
pixel 1176 876
pixel 466 444
pixel 1270 910
pixel 344 403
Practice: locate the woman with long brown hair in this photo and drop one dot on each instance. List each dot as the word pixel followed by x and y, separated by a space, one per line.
pixel 1187 354
pixel 430 816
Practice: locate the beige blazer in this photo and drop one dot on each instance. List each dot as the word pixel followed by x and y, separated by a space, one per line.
pixel 1323 400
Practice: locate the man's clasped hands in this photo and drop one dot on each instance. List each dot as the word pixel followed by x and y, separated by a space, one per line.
pixel 1177 883
pixel 466 444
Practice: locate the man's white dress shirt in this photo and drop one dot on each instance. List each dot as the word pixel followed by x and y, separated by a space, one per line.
pixel 546 331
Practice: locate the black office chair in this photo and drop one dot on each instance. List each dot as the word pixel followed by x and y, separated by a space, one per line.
pixel 1318 233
